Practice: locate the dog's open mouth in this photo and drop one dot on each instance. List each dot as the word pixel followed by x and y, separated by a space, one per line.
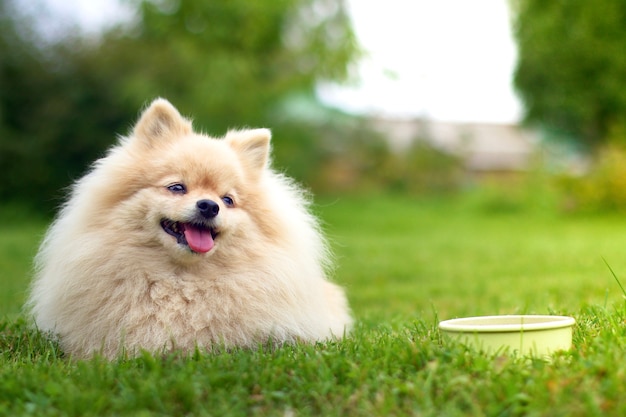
pixel 198 237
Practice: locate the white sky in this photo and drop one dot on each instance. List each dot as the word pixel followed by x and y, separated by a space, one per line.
pixel 449 60
pixel 444 59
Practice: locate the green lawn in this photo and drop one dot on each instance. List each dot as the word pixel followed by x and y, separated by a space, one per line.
pixel 406 263
pixel 413 258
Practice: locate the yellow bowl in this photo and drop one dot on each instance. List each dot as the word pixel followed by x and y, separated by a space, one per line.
pixel 529 335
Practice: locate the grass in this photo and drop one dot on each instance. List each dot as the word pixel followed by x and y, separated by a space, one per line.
pixel 19 238
pixel 454 258
pixel 406 264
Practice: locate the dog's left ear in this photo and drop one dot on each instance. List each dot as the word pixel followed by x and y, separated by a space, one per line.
pixel 252 146
pixel 161 121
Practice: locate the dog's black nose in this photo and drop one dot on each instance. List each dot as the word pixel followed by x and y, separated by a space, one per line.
pixel 208 208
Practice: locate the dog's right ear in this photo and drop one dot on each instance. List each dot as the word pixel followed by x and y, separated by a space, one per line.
pixel 160 121
pixel 252 146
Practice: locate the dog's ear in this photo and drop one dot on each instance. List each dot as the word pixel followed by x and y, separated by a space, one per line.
pixel 161 121
pixel 253 148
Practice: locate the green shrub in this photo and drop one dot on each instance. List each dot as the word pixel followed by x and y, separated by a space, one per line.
pixel 363 162
pixel 422 169
pixel 602 187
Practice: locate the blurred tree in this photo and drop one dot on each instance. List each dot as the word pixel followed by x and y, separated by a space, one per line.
pixel 572 65
pixel 54 114
pixel 229 63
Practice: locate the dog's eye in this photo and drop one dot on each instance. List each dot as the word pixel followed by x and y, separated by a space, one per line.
pixel 177 188
pixel 228 201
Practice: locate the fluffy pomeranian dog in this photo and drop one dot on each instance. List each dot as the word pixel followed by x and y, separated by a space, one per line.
pixel 175 240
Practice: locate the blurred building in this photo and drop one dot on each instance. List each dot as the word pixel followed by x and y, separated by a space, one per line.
pixel 485 147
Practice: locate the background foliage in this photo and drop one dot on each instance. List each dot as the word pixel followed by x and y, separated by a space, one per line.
pixel 237 63
pixel 571 65
pixel 602 188
pixel 226 63
pixel 570 76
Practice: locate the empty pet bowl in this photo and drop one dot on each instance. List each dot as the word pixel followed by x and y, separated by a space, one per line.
pixel 531 335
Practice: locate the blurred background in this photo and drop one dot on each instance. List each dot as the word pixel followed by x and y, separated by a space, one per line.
pixel 523 100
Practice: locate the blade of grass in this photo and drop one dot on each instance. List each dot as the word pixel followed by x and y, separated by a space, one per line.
pixel 615 276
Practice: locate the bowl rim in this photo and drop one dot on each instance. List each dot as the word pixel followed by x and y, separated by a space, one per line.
pixel 493 324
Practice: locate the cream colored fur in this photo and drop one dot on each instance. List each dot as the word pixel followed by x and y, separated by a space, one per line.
pixel 110 280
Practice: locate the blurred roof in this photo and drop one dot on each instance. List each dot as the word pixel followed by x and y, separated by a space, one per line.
pixel 483 146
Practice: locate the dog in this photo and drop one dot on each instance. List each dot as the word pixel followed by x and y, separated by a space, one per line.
pixel 178 241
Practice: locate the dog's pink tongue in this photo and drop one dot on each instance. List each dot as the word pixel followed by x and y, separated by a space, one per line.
pixel 199 240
